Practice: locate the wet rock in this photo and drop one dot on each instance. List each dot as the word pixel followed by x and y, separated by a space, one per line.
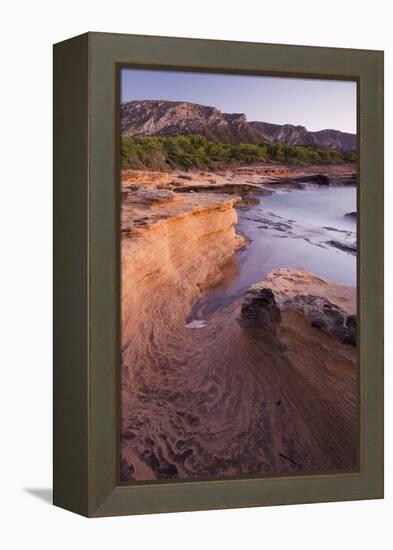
pixel 279 226
pixel 228 188
pixel 349 247
pixel 325 316
pixel 298 181
pixel 328 306
pixel 259 310
pixel 329 228
pixel 351 328
pixel 319 179
pixel 347 180
pixel 248 202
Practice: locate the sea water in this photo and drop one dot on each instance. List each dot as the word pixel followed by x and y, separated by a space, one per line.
pixel 292 229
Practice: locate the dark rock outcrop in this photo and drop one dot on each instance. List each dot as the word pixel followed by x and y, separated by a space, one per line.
pixel 326 305
pixel 227 188
pixel 317 179
pixel 349 247
pixel 259 310
pixel 325 315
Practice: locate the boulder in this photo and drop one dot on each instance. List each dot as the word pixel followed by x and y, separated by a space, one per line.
pixel 259 310
pixel 328 306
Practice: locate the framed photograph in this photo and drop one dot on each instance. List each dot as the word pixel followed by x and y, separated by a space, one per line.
pixel 218 274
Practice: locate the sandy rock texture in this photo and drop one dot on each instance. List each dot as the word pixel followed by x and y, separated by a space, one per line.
pixel 218 398
pixel 327 305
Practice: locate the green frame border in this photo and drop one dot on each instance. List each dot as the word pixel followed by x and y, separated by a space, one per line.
pixel 86 272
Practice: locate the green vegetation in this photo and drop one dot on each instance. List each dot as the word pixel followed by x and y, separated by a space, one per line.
pixel 195 151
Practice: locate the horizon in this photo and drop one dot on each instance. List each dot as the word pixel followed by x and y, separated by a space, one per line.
pixel 272 99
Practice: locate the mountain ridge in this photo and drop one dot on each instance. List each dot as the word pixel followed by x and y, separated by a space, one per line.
pixel 168 118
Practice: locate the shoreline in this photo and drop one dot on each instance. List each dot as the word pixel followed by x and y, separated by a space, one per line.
pixel 273 175
pixel 178 383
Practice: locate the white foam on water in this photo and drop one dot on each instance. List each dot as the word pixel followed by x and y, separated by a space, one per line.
pixel 196 323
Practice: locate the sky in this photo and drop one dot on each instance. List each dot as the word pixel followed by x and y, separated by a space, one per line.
pixel 315 104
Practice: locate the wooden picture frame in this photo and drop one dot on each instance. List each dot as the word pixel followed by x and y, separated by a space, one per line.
pixel 86 272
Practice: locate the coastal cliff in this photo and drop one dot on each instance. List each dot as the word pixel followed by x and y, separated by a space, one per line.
pixel 169 252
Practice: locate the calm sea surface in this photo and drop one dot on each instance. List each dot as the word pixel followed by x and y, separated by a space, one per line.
pixel 290 229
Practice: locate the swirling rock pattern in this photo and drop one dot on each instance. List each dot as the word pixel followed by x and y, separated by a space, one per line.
pixel 223 399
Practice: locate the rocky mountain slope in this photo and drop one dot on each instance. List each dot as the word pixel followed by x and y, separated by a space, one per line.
pixel 169 118
pixel 299 135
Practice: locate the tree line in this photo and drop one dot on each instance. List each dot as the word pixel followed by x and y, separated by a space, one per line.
pixel 195 151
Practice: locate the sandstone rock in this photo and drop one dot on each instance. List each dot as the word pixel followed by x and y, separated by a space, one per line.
pixel 328 306
pixel 227 188
pixel 248 202
pixel 151 196
pixel 326 316
pixel 146 177
pixel 259 310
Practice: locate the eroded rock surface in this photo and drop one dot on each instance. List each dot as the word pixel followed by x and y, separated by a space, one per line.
pixel 328 306
pixel 274 396
pixel 259 310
